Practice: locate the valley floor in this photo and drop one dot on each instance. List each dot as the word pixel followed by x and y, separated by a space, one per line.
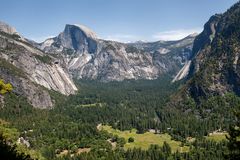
pixel 146 139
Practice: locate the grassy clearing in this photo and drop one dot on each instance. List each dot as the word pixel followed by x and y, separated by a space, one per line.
pixel 219 136
pixel 91 105
pixel 145 140
pixel 77 152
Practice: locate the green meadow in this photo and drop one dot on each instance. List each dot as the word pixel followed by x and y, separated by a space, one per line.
pixel 145 140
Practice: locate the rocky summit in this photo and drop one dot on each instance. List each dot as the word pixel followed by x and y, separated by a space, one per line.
pixel 36 68
pixel 89 57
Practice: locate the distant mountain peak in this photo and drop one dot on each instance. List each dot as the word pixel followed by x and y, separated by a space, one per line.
pixel 93 58
pixel 141 41
pixel 88 32
pixel 193 34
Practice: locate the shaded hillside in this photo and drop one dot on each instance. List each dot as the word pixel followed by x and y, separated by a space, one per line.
pixel 215 66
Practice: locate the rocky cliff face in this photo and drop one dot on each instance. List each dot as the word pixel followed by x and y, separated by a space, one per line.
pixel 215 67
pixel 78 50
pixel 202 41
pixel 74 38
pixel 28 68
pixel 7 29
pixel 88 57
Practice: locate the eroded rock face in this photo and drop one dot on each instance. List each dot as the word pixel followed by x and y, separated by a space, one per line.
pixel 28 68
pixel 74 38
pixel 35 94
pixel 79 38
pixel 88 57
pixel 202 41
pixel 7 29
pixel 215 67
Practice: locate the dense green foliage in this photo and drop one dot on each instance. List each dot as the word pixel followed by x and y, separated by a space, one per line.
pixel 201 150
pixel 71 125
pixel 5 87
pixel 123 105
pixel 130 140
pixel 9 152
pixel 234 137
pixel 194 120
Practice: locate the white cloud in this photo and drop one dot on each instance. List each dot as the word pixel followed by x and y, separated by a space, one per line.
pixel 175 34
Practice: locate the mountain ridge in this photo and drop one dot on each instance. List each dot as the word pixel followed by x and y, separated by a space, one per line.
pixel 92 58
pixel 77 52
pixel 215 65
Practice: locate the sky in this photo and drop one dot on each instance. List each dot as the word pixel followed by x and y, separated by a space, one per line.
pixel 120 20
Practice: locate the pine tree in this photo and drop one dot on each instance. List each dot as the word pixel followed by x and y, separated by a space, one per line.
pixel 234 137
pixel 166 148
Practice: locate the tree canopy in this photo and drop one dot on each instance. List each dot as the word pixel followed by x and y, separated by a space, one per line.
pixel 5 87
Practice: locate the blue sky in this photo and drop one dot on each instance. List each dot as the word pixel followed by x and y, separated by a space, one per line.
pixel 121 20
